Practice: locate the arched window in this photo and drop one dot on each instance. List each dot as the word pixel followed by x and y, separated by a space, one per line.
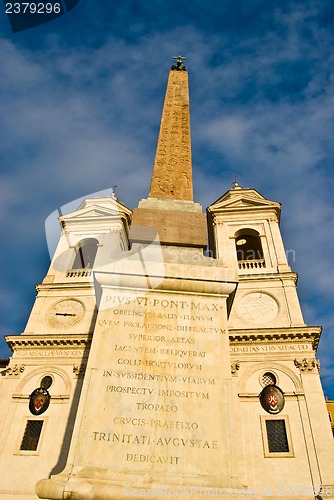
pixel 85 254
pixel 249 249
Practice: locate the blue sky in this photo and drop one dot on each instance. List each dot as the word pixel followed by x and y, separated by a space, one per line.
pixel 81 106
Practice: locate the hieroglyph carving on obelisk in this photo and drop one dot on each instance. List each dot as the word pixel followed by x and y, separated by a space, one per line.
pixel 172 172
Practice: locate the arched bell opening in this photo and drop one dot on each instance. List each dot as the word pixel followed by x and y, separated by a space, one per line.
pixel 249 249
pixel 85 254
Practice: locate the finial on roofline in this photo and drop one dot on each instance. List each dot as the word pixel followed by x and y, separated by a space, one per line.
pixel 178 66
pixel 113 193
pixel 235 184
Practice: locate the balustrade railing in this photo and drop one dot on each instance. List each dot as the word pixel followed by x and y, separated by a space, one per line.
pixel 252 264
pixel 82 273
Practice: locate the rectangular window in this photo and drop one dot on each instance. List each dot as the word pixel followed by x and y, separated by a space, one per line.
pixel 31 435
pixel 277 437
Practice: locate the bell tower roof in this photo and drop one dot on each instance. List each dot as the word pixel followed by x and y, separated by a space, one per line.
pixel 243 199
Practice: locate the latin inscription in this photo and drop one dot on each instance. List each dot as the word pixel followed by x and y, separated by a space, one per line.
pixel 50 353
pixel 158 378
pixel 111 437
pixel 157 366
pixel 271 348
pixel 164 303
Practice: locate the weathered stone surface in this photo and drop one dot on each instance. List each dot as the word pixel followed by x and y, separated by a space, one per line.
pixel 172 172
pixel 157 375
pixel 169 209
pixel 173 227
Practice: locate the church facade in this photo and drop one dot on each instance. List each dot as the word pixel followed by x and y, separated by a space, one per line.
pixel 151 367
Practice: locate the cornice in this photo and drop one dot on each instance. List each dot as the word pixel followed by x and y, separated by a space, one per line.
pixel 70 285
pixel 55 398
pixel 236 336
pixel 223 214
pixel 276 335
pixel 235 211
pixel 255 395
pixel 271 274
pixel 25 341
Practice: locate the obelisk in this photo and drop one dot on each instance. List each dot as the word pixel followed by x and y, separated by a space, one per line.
pixel 172 171
pixel 170 208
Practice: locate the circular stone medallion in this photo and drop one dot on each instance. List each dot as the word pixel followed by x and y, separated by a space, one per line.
pixel 257 308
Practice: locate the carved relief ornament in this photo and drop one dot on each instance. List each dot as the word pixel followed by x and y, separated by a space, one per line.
pixel 307 365
pixel 79 370
pixel 235 367
pixel 13 371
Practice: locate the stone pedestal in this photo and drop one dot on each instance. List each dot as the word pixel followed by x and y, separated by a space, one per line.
pixel 156 409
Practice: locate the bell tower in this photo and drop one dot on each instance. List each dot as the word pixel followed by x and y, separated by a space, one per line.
pixel 41 387
pixel 281 413
pixel 244 232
